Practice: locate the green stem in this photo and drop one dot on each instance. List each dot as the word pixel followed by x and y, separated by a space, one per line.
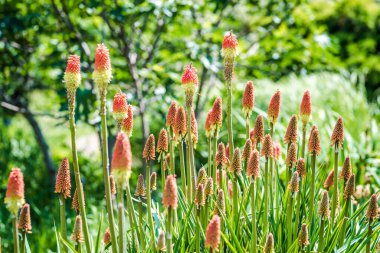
pixel 266 185
pixel 162 158
pixel 62 215
pixel 368 247
pixel 271 176
pixel 120 209
pixel 78 183
pixel 253 208
pixel 209 167
pixel 172 158
pixel 214 168
pixel 15 235
pixel 312 188
pixel 169 245
pixel 229 119
pixel 185 176
pixel 235 200
pixel 198 232
pixel 343 230
pixel 289 215
pixel 191 149
pixel 141 225
pixel 131 216
pixel 149 201
pixel 321 236
pixel 334 200
pixel 247 128
pixel 298 208
pixel 22 249
pixel 304 126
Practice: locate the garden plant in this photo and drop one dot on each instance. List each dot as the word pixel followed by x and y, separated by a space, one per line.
pixel 269 195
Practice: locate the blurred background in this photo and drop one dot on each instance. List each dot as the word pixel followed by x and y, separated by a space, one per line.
pixel 329 47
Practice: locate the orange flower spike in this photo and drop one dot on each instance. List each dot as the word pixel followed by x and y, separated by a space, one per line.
pixel 102 74
pixel 373 208
pixel 77 235
pixel 303 238
pixel 301 168
pixel 294 183
pixel 127 123
pixel 14 197
pixel 349 190
pixel 274 107
pixel 346 169
pixel 200 199
pixel 246 150
pixel 153 181
pixel 107 236
pixel 236 162
pixel 291 131
pixel 305 107
pixel 248 101
pixel 194 128
pixel 217 114
pixel 120 107
pixel 329 182
pixel 253 167
pixel 140 186
pixel 276 150
pixel 230 46
pixel 212 239
pixel 267 149
pixel 258 134
pixel 121 160
pixel 221 158
pixel 324 209
pixel 208 125
pixel 170 116
pixel 72 77
pixel 149 152
pixel 170 196
pixel 163 142
pixel 62 183
pixel 180 128
pixel 291 158
pixel 24 222
pixel 189 82
pixel 337 135
pixel 269 244
pixel 314 144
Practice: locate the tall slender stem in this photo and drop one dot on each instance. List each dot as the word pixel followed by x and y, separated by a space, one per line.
pixel 15 235
pixel 198 232
pixel 321 236
pixel 169 245
pixel 298 207
pixel 304 126
pixel 253 211
pixel 120 208
pixel 149 201
pixel 229 118
pixel 266 186
pixel 62 215
pixel 82 209
pixel 345 217
pixel 191 148
pixel 214 146
pixel 162 167
pixel 172 158
pixel 368 246
pixel 184 176
pixel 131 216
pixel 271 175
pixel 246 128
pixel 209 167
pixel 104 134
pixel 312 188
pixel 334 200
pixel 235 200
pixel 289 215
pixel 22 249
pixel 141 225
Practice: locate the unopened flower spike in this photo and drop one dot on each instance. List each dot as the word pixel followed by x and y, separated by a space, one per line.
pixel 75 202
pixel 153 181
pixel 24 222
pixel 163 142
pixel 324 207
pixel 220 207
pixel 253 166
pixel 127 123
pixel 301 168
pixel 217 114
pixel 346 169
pixel 194 128
pixel 102 74
pixel 107 236
pixel 200 196
pixel 212 239
pixel 314 144
pixel 77 235
pixel 202 176
pixel 294 183
pixel 221 158
pixel 149 152
pixel 274 107
pixel 258 132
pixel 236 162
pixel 209 187
pixel 267 149
pixel 189 82
pixel 209 131
pixel 120 107
pixel 62 183
pixel 121 160
pixel 329 182
pixel 337 135
pixel 269 244
pixel 246 150
pixel 180 126
pixel 229 52
pixel 291 158
pixel 303 238
pixel 14 197
pixel 170 116
pixel 291 131
pixel 140 187
pixel 170 196
pixel 349 190
pixel 373 208
pixel 305 107
pixel 161 241
pixel 248 101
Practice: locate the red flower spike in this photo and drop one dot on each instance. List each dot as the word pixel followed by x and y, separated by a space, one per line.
pixel 170 197
pixel 170 117
pixel 163 142
pixel 127 123
pixel 102 74
pixel 62 183
pixel 120 107
pixel 14 197
pixel 305 107
pixel 72 76
pixel 274 107
pixel 248 101
pixel 121 160
pixel 212 239
pixel 149 152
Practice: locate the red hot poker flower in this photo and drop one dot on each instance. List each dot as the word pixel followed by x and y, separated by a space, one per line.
pixel 62 183
pixel 305 107
pixel 14 197
pixel 170 196
pixel 213 233
pixel 170 117
pixel 127 124
pixel 189 82
pixel 72 76
pixel 121 160
pixel 120 107
pixel 102 74
pixel 248 101
pixel 274 107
